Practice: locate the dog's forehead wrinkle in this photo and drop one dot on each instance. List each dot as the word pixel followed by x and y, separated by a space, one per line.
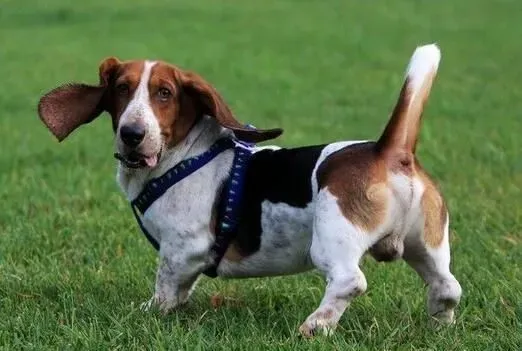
pixel 163 74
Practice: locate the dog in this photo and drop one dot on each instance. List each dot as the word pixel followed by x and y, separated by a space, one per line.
pixel 321 207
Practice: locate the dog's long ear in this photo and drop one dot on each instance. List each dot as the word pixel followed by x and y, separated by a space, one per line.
pixel 209 102
pixel 69 106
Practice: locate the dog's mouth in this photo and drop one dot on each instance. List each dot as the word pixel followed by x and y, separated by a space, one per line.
pixel 137 160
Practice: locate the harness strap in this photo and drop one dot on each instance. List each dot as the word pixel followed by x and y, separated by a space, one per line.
pixel 230 199
pixel 156 187
pixel 149 237
pixel 229 207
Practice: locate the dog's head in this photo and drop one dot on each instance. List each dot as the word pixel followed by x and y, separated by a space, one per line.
pixel 153 106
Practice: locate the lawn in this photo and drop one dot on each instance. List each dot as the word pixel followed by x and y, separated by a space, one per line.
pixel 74 267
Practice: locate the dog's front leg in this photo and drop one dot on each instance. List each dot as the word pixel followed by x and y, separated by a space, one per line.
pixel 174 284
pixel 177 274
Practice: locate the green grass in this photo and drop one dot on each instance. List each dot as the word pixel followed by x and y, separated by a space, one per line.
pixel 74 267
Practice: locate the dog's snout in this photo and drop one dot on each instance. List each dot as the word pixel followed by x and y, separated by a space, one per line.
pixel 132 134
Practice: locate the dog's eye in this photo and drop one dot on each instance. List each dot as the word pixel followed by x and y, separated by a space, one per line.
pixel 122 89
pixel 164 94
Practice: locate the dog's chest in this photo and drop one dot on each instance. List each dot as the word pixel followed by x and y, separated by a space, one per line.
pixel 275 222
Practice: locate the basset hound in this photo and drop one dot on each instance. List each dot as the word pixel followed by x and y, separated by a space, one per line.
pixel 212 201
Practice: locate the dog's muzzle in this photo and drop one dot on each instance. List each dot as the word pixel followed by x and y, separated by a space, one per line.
pixel 137 160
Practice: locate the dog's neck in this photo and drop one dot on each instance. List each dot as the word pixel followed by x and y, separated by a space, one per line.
pixel 205 133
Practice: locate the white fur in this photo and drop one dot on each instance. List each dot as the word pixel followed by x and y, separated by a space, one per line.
pixel 180 219
pixel 405 207
pixel 285 243
pixel 433 265
pixel 266 147
pixel 336 250
pixel 424 61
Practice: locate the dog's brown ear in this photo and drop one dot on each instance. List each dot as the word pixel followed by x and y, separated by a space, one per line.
pixel 69 106
pixel 209 102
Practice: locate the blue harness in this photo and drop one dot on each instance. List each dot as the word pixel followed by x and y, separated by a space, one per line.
pixel 230 200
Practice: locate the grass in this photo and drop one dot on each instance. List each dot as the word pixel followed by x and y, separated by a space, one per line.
pixel 73 266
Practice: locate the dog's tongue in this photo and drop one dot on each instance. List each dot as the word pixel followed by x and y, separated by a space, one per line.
pixel 151 161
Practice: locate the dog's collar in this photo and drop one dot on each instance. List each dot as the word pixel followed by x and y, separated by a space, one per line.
pixel 230 199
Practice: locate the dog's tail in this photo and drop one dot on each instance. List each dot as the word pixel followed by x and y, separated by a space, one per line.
pixel 402 129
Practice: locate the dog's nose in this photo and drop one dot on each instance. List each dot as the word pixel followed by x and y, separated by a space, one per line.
pixel 132 134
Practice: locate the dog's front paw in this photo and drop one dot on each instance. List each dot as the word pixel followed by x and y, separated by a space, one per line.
pixel 163 305
pixel 313 328
pixel 442 318
pixel 318 324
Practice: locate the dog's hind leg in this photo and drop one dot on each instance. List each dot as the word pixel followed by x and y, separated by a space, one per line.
pixel 427 250
pixel 337 247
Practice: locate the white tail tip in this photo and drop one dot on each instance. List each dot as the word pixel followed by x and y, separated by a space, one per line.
pixel 424 61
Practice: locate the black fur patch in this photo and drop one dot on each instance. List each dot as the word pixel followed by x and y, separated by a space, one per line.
pixel 277 176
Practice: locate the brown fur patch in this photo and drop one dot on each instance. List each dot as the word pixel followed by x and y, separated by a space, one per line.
pixel 177 114
pixel 357 177
pixel 67 107
pixel 402 130
pixel 191 98
pixel 434 209
pixel 124 73
pixel 233 253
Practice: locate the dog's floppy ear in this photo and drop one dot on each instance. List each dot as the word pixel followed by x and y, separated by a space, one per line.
pixel 209 102
pixel 69 106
